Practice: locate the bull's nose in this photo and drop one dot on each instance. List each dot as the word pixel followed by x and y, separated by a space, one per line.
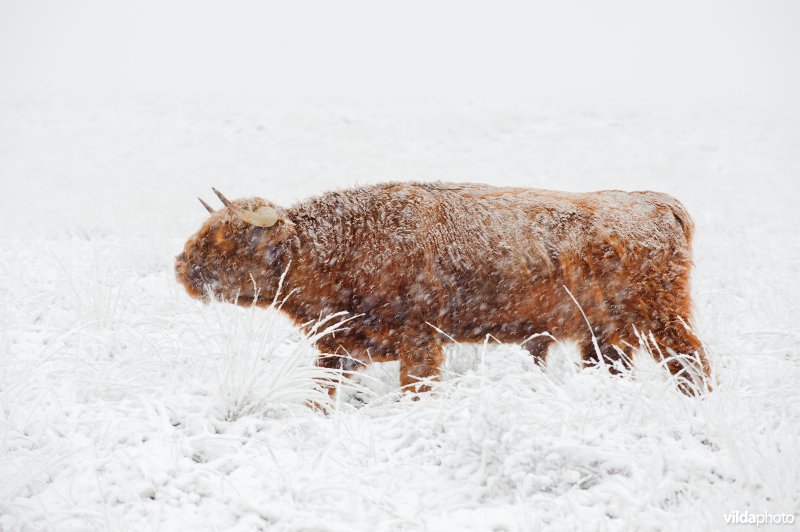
pixel 181 257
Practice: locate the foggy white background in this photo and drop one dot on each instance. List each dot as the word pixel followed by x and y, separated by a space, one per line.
pixel 582 52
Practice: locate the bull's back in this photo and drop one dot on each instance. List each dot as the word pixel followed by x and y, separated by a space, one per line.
pixel 476 227
pixel 508 256
pixel 483 218
pixel 455 250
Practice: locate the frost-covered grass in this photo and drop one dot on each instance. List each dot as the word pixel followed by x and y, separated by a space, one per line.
pixel 125 405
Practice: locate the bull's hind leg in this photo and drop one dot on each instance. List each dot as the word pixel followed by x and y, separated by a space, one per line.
pixel 685 357
pixel 615 350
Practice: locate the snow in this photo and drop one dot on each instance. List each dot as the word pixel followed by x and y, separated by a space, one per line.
pixel 125 404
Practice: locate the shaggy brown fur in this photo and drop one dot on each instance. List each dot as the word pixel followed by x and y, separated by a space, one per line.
pixel 469 259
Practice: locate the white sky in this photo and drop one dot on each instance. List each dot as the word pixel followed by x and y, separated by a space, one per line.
pixel 679 51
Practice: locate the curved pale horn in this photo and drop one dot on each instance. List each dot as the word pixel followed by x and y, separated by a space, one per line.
pixel 261 217
pixel 225 201
pixel 206 205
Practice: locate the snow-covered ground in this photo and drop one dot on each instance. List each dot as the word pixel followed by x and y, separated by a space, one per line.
pixel 126 405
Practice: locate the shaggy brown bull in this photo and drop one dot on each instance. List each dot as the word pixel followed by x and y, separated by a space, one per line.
pixel 416 260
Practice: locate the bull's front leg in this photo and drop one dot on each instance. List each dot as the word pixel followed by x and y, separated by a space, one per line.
pixel 335 354
pixel 420 354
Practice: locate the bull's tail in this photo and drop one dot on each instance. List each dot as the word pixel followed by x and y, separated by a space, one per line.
pixel 683 217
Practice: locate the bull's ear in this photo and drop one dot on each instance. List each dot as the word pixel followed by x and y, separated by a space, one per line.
pixel 283 230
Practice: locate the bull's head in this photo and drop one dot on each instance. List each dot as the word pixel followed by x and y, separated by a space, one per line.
pixel 238 254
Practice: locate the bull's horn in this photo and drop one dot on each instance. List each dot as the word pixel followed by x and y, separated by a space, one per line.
pixel 225 201
pixel 262 217
pixel 206 205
